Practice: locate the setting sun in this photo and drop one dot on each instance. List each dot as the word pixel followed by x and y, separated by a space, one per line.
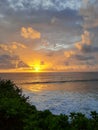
pixel 37 68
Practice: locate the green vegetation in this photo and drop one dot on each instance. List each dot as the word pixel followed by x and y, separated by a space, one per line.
pixel 17 114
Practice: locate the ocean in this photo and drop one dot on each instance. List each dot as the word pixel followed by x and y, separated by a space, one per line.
pixel 60 92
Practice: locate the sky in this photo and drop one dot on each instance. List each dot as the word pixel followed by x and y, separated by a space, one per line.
pixel 48 35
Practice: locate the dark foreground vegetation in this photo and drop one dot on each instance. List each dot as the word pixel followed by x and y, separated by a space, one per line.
pixel 17 114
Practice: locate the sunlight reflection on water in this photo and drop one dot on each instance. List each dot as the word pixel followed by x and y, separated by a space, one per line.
pixel 64 98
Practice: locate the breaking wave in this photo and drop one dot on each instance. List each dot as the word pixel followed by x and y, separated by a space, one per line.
pixel 55 82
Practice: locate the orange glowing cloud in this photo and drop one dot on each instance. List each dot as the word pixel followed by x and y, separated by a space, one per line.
pixel 78 46
pixel 68 54
pixel 11 47
pixel 37 65
pixel 85 40
pixel 30 33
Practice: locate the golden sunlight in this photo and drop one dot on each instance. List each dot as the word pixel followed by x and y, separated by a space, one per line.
pixel 37 68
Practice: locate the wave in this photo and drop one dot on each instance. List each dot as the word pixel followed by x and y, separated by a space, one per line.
pixel 55 82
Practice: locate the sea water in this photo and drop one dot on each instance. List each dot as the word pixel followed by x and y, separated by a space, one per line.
pixel 60 92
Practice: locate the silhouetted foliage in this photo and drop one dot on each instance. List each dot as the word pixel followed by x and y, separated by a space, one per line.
pixel 17 114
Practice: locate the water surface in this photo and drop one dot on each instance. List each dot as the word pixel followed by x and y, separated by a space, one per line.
pixel 59 92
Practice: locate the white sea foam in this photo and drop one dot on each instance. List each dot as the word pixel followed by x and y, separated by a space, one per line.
pixel 58 102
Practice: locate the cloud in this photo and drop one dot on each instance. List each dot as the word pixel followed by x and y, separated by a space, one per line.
pixel 42 63
pixel 69 54
pixel 85 38
pixel 84 47
pixel 53 24
pixel 87 43
pixel 22 64
pixel 57 25
pixel 11 47
pixel 84 52
pixel 41 4
pixel 87 48
pixel 89 11
pixel 83 57
pixel 30 33
pixel 9 62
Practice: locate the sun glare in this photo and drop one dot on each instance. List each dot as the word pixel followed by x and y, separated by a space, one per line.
pixel 37 68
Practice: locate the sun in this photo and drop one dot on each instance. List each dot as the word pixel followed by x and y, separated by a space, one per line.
pixel 37 68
